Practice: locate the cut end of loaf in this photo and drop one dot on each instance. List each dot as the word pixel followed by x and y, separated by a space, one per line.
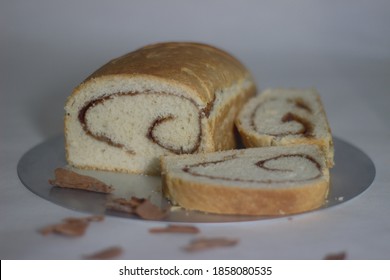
pixel 284 117
pixel 127 127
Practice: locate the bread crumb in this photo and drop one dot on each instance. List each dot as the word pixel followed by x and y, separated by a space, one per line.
pixel 148 211
pixel 141 207
pixel 201 244
pixel 65 178
pixel 106 254
pixel 71 226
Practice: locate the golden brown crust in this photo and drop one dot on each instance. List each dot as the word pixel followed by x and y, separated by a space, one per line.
pixel 237 200
pixel 203 68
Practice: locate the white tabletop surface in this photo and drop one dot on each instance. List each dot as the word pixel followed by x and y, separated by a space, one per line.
pixel 340 47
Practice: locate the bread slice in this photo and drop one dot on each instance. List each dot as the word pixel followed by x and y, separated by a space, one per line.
pixel 162 99
pixel 286 116
pixel 277 180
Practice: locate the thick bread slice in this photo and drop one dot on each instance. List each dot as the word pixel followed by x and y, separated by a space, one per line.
pixel 284 117
pixel 168 98
pixel 256 181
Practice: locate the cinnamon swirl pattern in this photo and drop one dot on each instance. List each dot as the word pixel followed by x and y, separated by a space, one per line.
pixel 285 117
pixel 283 168
pixel 255 181
pixel 106 114
pixel 112 124
pixel 289 117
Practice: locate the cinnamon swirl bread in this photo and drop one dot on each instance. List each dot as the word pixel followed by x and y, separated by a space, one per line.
pixel 255 181
pixel 162 99
pixel 286 116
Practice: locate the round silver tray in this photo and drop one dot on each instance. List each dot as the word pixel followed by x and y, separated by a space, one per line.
pixel 352 174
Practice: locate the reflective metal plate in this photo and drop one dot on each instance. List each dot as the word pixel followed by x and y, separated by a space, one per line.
pixel 352 174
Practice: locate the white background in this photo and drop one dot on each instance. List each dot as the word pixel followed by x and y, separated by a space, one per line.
pixel 340 47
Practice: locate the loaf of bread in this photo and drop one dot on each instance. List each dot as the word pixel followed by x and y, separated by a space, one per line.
pixel 162 99
pixel 276 180
pixel 284 117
